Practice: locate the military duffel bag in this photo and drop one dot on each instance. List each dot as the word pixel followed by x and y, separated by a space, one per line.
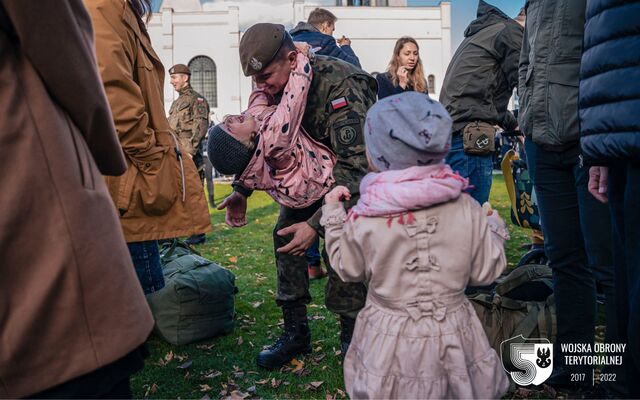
pixel 197 301
pixel 521 304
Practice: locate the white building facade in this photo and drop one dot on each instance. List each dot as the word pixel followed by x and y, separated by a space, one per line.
pixel 206 36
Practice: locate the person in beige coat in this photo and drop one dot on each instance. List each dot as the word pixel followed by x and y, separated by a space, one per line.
pixel 160 196
pixel 417 240
pixel 72 314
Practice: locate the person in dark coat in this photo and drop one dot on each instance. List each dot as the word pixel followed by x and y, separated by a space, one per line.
pixel 477 86
pixel 317 33
pixel 610 127
pixel 576 227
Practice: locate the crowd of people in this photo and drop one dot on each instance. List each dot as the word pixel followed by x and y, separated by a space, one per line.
pixel 396 182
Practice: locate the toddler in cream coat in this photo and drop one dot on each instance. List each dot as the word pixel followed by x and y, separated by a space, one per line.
pixel 418 240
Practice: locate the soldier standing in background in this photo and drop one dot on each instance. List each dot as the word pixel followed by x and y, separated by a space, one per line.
pixel 189 119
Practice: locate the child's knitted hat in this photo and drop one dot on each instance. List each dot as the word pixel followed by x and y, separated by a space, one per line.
pixel 406 130
pixel 227 155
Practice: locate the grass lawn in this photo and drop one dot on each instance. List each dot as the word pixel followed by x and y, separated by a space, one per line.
pixel 225 366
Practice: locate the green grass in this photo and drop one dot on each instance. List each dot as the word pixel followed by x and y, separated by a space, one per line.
pixel 218 367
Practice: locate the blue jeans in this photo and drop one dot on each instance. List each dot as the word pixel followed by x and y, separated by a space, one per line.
pixel 577 241
pixel 624 198
pixel 313 253
pixel 146 260
pixel 478 169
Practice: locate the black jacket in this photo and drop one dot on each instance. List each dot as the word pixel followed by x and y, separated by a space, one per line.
pixel 484 70
pixel 610 82
pixel 387 88
pixel 550 72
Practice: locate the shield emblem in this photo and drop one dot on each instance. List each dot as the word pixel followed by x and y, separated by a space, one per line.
pixel 527 361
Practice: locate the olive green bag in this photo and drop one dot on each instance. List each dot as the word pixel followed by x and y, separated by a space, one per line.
pixel 521 304
pixel 197 301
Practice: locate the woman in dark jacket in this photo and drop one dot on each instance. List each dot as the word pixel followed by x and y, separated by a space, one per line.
pixel 610 127
pixel 405 71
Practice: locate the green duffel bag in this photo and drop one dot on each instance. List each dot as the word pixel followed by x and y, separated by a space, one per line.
pixel 197 301
pixel 522 303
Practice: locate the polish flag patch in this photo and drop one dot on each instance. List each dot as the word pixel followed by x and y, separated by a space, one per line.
pixel 339 103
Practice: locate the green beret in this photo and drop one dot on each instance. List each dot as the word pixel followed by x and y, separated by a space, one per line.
pixel 259 45
pixel 179 69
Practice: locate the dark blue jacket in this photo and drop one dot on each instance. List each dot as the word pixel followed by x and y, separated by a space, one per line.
pixel 386 88
pixel 324 44
pixel 610 81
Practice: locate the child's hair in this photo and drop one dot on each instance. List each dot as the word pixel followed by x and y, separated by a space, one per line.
pixel 407 130
pixel 227 155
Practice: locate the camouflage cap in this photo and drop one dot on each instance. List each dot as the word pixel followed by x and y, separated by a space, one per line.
pixel 179 69
pixel 259 45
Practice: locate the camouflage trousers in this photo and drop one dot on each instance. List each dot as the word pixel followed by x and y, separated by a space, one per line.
pixel 342 298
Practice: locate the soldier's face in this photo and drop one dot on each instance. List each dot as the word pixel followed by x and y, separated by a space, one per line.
pixel 241 127
pixel 409 56
pixel 275 76
pixel 178 81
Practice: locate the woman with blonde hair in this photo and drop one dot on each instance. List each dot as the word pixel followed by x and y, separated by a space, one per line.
pixel 405 71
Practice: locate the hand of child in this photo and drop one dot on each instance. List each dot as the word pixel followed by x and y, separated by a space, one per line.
pixel 303 48
pixel 338 194
pixel 496 223
pixel 487 208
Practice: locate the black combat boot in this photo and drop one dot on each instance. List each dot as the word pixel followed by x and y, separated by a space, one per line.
pixel 346 332
pixel 295 340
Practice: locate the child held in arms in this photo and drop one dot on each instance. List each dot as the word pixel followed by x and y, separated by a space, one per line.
pixel 267 148
pixel 418 240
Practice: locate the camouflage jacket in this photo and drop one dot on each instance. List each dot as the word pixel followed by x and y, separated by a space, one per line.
pixel 189 118
pixel 337 105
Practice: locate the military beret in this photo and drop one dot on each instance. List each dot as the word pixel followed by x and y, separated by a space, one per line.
pixel 179 69
pixel 259 45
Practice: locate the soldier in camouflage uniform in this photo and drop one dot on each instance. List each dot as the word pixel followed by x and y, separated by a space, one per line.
pixel 338 100
pixel 189 119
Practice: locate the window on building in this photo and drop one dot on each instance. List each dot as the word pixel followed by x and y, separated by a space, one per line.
pixel 431 83
pixel 354 3
pixel 203 78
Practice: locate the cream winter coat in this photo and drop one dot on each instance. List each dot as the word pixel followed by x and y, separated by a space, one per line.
pixel 418 336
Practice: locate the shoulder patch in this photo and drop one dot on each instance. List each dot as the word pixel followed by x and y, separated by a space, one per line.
pixel 339 103
pixel 347 135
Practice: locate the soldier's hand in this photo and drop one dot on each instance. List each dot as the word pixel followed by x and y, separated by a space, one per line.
pixel 236 205
pixel 303 236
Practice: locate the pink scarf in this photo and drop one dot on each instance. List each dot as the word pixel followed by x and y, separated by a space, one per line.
pixel 394 192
